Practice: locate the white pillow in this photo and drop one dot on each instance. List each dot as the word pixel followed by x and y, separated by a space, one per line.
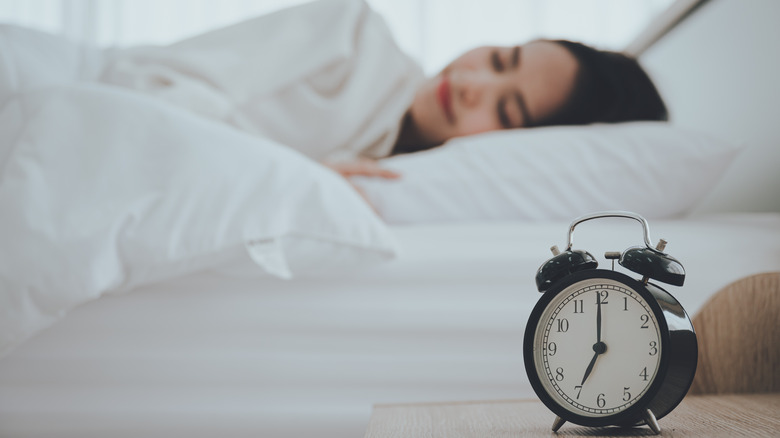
pixel 103 190
pixel 652 168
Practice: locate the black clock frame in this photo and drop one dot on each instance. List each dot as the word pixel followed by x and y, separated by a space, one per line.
pixel 679 352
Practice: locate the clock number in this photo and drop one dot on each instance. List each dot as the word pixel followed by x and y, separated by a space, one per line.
pixel 603 295
pixel 626 394
pixel 645 318
pixel 579 391
pixel 563 325
pixel 653 348
pixel 643 374
pixel 552 349
pixel 600 400
pixel 578 306
pixel 559 374
pixel 625 303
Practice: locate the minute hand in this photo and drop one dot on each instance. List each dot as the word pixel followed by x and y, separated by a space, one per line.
pixel 598 317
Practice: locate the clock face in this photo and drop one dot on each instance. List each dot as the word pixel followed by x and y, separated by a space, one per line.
pixel 597 347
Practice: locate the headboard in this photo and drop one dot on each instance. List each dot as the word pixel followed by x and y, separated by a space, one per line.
pixel 717 65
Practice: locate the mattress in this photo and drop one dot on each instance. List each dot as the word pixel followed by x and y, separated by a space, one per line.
pixel 216 354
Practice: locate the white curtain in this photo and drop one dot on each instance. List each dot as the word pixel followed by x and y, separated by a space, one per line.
pixel 433 31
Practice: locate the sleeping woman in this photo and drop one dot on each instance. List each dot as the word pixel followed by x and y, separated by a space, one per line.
pixel 327 79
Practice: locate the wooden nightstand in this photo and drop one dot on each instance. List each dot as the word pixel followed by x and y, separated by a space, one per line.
pixel 754 415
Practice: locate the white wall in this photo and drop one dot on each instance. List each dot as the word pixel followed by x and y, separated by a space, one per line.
pixel 432 31
pixel 719 72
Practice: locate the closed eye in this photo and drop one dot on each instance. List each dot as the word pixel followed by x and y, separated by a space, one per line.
pixel 503 118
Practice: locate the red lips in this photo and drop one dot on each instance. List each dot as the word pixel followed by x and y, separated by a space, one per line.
pixel 443 94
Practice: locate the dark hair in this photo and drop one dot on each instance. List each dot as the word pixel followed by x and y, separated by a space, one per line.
pixel 610 87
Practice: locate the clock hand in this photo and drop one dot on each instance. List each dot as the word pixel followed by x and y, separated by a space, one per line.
pixel 590 368
pixel 600 348
pixel 598 317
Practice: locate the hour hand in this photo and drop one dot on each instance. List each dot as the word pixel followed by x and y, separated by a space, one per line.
pixel 598 348
pixel 590 368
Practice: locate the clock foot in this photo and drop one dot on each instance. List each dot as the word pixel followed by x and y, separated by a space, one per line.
pixel 652 422
pixel 557 424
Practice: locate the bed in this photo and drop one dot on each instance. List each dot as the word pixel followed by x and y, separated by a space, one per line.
pixel 209 347
pixel 211 354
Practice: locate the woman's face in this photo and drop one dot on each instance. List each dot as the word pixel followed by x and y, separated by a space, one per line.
pixel 491 88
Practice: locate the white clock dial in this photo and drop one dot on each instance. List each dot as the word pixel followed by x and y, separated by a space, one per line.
pixel 597 347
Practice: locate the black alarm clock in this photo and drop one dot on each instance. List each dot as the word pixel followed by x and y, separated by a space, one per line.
pixel 602 348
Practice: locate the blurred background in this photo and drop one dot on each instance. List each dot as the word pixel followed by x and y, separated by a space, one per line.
pixel 432 31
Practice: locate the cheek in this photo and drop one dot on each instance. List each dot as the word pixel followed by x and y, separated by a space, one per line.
pixel 478 121
pixel 424 106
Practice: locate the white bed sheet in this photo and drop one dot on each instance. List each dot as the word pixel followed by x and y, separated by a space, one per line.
pixel 210 355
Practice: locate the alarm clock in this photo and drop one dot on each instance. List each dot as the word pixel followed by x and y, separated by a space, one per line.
pixel 603 348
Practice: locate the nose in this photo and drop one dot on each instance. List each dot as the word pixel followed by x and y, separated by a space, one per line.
pixel 470 86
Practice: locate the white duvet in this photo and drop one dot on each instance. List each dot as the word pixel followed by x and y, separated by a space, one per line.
pixel 104 188
pixel 325 78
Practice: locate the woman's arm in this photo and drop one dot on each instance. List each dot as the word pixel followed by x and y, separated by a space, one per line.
pixel 361 167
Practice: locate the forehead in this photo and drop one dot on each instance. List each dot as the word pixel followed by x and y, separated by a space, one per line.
pixel 546 76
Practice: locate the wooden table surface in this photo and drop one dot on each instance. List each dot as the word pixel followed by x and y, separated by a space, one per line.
pixel 754 415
